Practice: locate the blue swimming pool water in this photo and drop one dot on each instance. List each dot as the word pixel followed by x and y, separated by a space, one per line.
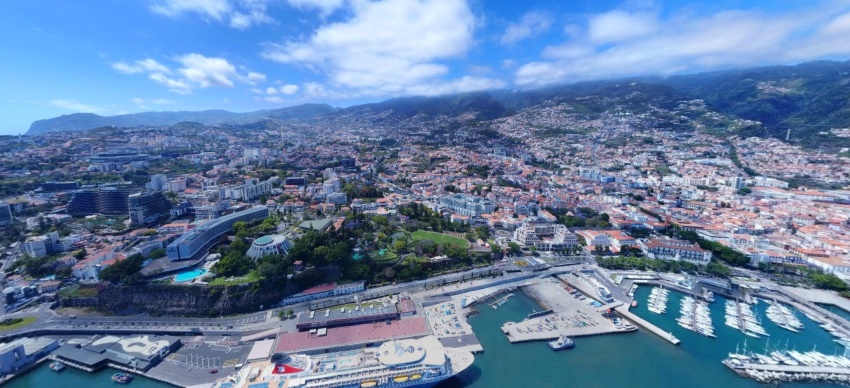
pixel 190 275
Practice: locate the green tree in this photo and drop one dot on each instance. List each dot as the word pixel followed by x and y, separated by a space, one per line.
pixel 124 271
pixel 514 248
pixel 400 245
pixel 233 264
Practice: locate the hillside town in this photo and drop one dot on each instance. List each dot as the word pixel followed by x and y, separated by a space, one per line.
pixel 73 206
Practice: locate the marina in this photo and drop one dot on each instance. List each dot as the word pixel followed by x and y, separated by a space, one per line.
pixel 783 317
pixel 696 317
pixel 572 316
pixel 740 316
pixel 697 359
pixel 790 365
pixel 657 301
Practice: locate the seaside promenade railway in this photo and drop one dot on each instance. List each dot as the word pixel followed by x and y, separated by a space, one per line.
pixel 50 323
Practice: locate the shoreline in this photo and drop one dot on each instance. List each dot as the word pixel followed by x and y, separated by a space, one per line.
pixel 537 298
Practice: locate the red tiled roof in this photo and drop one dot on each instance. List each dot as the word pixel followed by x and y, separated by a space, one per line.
pixel 370 332
pixel 319 288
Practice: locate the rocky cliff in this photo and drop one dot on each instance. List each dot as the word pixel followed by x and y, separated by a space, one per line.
pixel 172 300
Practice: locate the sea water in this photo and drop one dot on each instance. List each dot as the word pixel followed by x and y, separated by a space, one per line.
pixel 42 377
pixel 638 359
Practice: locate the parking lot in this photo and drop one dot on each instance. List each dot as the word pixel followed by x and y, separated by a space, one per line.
pixel 193 362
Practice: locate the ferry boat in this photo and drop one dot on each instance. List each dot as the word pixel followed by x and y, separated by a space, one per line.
pixel 122 378
pixel 422 362
pixel 563 342
pixel 57 366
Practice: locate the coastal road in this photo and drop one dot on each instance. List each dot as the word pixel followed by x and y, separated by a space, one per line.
pixel 48 320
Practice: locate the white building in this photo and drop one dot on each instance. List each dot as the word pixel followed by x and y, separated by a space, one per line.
pixel 275 244
pixel 157 182
pixel 672 249
pixel 544 236
pixel 24 351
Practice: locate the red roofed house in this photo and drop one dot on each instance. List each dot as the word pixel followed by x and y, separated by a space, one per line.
pixel 672 249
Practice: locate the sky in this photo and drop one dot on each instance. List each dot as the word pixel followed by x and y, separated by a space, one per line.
pixel 118 57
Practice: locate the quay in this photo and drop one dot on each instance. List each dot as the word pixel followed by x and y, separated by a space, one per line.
pixel 765 373
pixel 566 315
pixel 623 309
pixel 540 313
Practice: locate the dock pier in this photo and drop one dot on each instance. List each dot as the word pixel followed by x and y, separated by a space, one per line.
pixel 765 373
pixel 624 311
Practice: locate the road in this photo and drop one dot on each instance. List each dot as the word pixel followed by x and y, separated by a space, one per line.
pixel 48 321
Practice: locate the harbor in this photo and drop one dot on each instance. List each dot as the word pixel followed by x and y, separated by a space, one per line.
pixel 583 306
pixel 571 316
pixel 790 365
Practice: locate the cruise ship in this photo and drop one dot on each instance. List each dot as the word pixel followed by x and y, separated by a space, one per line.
pixel 417 363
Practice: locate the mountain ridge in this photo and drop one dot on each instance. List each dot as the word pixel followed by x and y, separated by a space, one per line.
pixel 807 97
pixel 86 121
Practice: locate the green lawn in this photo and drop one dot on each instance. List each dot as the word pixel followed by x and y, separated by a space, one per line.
pixel 251 277
pixel 388 257
pixel 14 323
pixel 75 291
pixel 439 238
pixel 415 259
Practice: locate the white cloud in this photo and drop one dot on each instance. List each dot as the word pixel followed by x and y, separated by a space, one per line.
pixel 460 85
pixel 239 14
pixel 206 71
pixel 213 9
pixel 531 24
pixel 74 105
pixel 620 44
pixel 144 65
pixel 617 26
pixel 253 78
pixel 271 91
pixel 391 47
pixel 289 89
pixel 144 103
pixel 197 71
pixel 325 6
pixel 178 86
pixel 273 99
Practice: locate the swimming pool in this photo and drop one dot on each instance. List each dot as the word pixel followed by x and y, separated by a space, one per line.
pixel 190 275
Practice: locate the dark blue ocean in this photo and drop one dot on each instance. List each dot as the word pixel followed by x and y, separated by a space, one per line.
pixel 637 359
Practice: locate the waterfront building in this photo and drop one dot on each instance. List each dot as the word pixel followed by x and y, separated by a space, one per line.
pixel 24 351
pixel 198 240
pixel 148 207
pixel 325 291
pixel 673 249
pixel 334 317
pixel 274 244
pixel 544 236
pixel 139 352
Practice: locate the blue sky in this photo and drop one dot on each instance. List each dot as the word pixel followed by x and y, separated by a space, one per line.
pixel 117 57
